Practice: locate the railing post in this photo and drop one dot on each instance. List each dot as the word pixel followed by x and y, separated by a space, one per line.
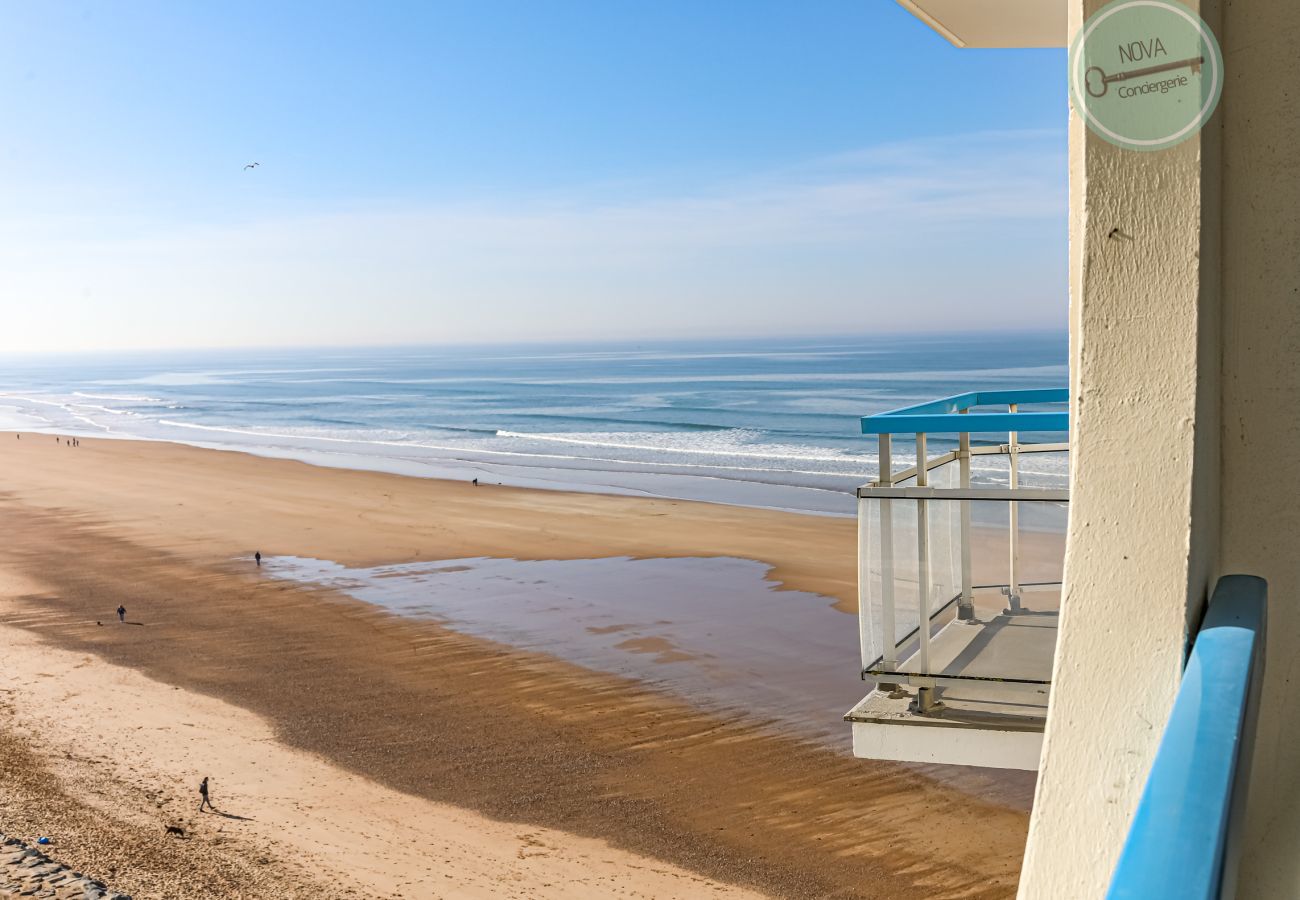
pixel 889 633
pixel 864 599
pixel 1013 580
pixel 966 606
pixel 924 695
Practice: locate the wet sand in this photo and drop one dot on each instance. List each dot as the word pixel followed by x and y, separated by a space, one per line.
pixel 713 632
pixel 458 720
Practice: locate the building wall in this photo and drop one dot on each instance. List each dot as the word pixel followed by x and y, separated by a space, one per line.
pixel 1261 402
pixel 1144 511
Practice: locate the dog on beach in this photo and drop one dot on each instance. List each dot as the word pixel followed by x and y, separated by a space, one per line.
pixel 176 830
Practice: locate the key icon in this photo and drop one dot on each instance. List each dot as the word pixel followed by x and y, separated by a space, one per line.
pixel 1101 82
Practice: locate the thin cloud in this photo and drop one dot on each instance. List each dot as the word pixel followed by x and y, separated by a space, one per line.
pixel 810 234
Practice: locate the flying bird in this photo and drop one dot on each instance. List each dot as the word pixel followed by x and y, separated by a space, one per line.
pixel 252 165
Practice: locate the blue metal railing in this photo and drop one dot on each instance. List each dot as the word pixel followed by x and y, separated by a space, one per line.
pixel 1181 843
pixel 944 416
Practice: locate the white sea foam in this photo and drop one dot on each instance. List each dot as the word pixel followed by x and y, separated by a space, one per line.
pixel 537 458
pixel 693 422
pixel 170 379
pixel 735 443
pixel 739 453
pixel 69 409
pixel 126 398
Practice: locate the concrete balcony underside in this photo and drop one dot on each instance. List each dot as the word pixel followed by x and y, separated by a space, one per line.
pixel 994 23
pixel 991 682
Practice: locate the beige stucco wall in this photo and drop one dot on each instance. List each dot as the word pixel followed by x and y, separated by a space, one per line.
pixel 1185 370
pixel 1261 402
pixel 1143 534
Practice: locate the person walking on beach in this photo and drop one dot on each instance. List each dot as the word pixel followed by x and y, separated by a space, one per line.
pixel 203 792
pixel 258 556
pixel 121 613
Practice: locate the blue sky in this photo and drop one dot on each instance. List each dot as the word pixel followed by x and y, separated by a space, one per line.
pixel 468 171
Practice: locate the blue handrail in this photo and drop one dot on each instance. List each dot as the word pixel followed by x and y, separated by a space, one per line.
pixel 942 416
pixel 1180 842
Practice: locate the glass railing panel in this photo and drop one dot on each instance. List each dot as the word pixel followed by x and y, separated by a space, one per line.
pixel 940 560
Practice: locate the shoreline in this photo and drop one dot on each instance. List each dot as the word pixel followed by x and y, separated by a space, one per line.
pixel 516 736
pixel 529 523
pixel 654 480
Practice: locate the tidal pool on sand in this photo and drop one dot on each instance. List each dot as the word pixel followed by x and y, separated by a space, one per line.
pixel 713 631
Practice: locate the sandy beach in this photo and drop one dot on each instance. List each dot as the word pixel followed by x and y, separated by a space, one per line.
pixel 364 754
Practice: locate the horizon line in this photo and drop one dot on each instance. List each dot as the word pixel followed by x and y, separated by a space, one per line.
pixel 929 334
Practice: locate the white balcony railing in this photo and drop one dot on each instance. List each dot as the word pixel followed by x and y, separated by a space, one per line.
pixel 960 557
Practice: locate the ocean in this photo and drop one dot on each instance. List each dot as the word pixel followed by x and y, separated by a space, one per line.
pixel 770 423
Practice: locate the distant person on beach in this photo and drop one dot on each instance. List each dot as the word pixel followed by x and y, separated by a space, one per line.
pixel 121 613
pixel 258 556
pixel 203 792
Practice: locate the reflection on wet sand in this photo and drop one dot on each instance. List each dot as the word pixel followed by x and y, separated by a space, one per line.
pixel 713 631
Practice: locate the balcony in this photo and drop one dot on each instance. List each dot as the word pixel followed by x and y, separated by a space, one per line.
pixel 959 579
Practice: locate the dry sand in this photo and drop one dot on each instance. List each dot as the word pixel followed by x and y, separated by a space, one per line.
pixel 380 755
pixel 320 830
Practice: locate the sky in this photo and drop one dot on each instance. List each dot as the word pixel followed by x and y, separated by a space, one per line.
pixel 456 171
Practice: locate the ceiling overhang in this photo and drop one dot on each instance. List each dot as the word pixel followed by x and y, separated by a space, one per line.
pixel 995 23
